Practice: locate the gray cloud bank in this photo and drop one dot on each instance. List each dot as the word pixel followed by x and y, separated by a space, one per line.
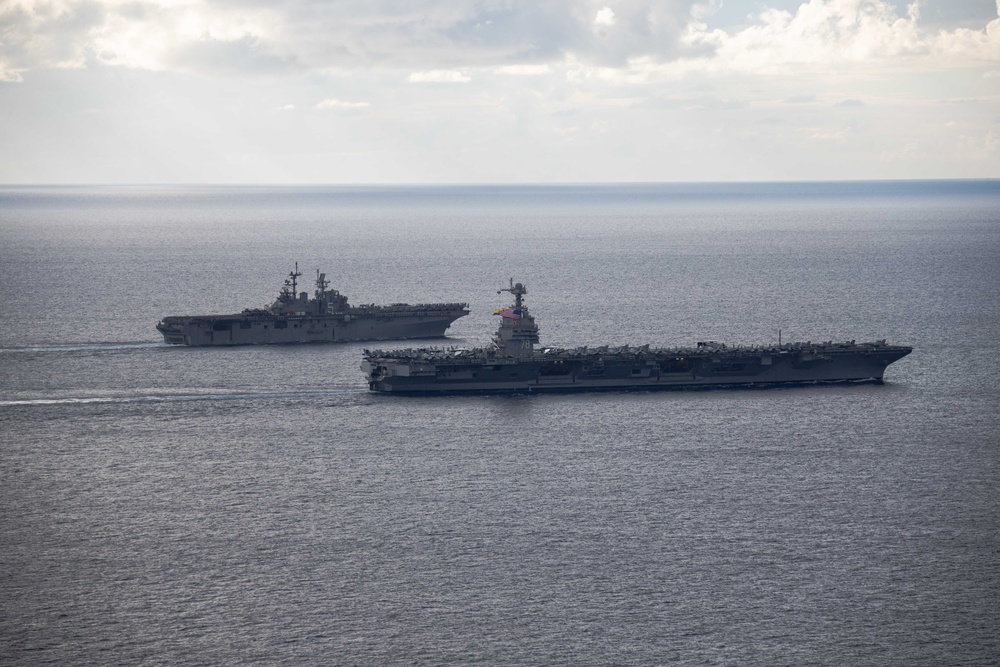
pixel 267 36
pixel 496 90
pixel 270 35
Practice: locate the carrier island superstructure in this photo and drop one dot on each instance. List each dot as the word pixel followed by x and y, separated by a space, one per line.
pixel 325 318
pixel 513 363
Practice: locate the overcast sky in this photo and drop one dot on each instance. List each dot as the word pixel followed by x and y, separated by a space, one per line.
pixel 497 91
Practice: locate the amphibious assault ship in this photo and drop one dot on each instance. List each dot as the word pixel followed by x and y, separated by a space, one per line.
pixel 326 317
pixel 513 364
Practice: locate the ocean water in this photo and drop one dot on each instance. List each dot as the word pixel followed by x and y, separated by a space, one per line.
pixel 182 506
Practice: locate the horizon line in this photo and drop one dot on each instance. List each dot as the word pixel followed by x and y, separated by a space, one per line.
pixel 431 184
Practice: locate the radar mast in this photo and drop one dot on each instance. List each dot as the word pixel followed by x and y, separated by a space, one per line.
pixel 294 275
pixel 517 290
pixel 321 284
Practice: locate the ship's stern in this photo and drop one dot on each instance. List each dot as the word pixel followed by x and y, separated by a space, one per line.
pixel 375 373
pixel 172 331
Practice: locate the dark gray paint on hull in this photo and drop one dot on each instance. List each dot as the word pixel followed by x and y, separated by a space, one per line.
pixel 512 364
pixel 326 317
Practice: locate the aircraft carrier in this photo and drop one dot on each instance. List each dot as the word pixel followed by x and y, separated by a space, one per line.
pixel 326 317
pixel 513 364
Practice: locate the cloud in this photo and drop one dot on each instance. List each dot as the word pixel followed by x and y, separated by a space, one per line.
pixel 246 54
pixel 52 35
pixel 979 147
pixel 908 153
pixel 638 38
pixel 829 134
pixel 801 99
pixel 173 34
pixel 849 103
pixel 438 76
pixel 605 16
pixel 156 35
pixel 818 32
pixel 965 44
pixel 340 104
pixel 712 102
pixel 524 70
pixel 829 33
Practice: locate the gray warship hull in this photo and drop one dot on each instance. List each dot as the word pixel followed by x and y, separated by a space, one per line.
pixel 513 364
pixel 325 317
pixel 631 369
pixel 238 329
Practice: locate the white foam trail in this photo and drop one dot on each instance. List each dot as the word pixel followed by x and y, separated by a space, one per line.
pixel 84 347
pixel 168 398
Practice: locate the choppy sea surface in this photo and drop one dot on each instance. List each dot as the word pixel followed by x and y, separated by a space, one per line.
pixel 256 505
